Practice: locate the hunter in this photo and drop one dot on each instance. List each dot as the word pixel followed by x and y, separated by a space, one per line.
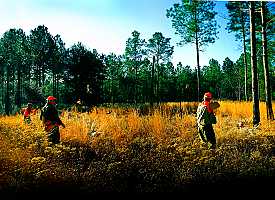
pixel 51 121
pixel 205 119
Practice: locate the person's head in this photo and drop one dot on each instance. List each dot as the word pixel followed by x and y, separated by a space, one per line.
pixel 29 106
pixel 207 96
pixel 51 100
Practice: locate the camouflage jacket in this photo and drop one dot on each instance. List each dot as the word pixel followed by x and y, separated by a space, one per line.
pixel 49 113
pixel 204 116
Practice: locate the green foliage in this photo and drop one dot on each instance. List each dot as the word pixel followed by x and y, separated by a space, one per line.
pixel 185 82
pixel 194 21
pixel 239 18
pixel 13 54
pixel 42 44
pixel 83 75
pixel 114 75
pixel 230 79
pixel 37 65
pixel 212 77
pixel 135 47
pixel 160 47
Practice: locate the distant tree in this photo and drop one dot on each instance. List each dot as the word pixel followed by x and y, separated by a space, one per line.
pixel 160 47
pixel 165 79
pixel 20 54
pixel 134 52
pixel 230 79
pixel 2 80
pixel 212 76
pixel 195 22
pixel 57 63
pixel 42 45
pixel 239 24
pixel 152 85
pixel 185 82
pixel 12 44
pixel 113 76
pixel 83 75
pixel 238 65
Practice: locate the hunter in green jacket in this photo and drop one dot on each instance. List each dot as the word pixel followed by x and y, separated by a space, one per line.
pixel 51 120
pixel 205 119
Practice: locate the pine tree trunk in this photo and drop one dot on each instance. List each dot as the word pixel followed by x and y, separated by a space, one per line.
pixel 43 71
pixel 54 83
pixel 152 83
pixel 18 87
pixel 1 90
pixel 268 101
pixel 254 71
pixel 136 82
pixel 7 96
pixel 157 80
pixel 198 61
pixel 198 69
pixel 57 86
pixel 245 67
pixel 244 55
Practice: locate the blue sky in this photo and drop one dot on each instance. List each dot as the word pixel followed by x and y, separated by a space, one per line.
pixel 105 25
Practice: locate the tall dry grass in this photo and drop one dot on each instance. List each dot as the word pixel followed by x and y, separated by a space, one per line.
pixel 118 149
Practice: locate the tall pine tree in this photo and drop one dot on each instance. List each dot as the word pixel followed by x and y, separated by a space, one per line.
pixel 195 22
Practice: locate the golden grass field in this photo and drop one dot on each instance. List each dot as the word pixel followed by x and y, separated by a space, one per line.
pixel 119 149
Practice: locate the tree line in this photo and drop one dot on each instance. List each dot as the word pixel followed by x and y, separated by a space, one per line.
pixel 36 65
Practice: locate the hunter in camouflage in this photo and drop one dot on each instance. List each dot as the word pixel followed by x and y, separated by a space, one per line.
pixel 51 120
pixel 205 119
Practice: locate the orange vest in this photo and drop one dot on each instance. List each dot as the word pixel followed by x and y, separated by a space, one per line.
pixel 27 112
pixel 49 125
pixel 207 104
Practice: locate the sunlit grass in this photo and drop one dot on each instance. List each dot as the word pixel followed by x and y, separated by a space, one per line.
pixel 110 144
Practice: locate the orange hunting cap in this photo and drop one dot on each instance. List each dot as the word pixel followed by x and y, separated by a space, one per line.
pixel 208 95
pixel 51 98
